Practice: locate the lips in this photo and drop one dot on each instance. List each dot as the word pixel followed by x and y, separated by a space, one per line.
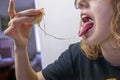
pixel 87 24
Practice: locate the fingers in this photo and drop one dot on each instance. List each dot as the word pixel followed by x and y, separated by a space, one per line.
pixel 16 22
pixel 21 20
pixel 29 12
pixel 11 32
pixel 11 9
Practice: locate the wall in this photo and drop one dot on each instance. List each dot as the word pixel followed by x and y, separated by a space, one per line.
pixel 61 20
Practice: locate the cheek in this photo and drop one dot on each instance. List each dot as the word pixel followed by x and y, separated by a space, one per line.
pixel 103 22
pixel 103 18
pixel 102 28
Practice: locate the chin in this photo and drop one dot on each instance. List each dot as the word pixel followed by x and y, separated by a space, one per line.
pixel 91 42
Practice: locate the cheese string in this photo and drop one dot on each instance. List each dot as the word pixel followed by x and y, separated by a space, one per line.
pixel 38 21
pixel 59 38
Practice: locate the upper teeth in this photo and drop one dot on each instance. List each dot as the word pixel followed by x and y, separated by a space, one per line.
pixel 84 16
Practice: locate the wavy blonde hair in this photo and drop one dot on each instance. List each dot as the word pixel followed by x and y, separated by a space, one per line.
pixel 92 52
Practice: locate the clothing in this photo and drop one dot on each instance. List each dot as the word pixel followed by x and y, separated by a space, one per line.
pixel 74 65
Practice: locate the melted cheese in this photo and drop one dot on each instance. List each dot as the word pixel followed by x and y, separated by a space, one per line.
pixel 39 17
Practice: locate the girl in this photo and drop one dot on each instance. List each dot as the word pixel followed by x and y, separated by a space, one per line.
pixel 96 57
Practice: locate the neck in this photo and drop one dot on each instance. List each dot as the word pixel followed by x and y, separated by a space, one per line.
pixel 112 55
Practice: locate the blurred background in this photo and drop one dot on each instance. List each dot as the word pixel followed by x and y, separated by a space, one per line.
pixel 61 20
pixel 7 71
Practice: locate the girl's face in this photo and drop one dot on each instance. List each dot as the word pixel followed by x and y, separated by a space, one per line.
pixel 96 17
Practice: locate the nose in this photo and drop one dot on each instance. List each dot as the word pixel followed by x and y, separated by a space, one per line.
pixel 81 4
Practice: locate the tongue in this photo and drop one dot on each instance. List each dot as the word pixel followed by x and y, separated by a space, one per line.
pixel 85 27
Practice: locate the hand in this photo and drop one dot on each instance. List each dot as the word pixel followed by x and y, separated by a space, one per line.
pixel 20 24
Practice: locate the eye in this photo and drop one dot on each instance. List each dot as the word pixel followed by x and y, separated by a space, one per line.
pixel 79 4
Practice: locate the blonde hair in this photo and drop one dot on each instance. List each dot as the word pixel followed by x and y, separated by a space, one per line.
pixel 92 52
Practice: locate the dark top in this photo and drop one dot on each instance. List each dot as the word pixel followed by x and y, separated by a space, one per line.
pixel 74 65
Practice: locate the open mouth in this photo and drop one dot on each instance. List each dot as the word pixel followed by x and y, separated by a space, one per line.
pixel 87 24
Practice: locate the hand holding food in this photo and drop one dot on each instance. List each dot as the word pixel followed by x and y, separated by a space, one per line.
pixel 21 23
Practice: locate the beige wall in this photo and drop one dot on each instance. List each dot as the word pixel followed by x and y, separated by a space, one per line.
pixel 61 20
